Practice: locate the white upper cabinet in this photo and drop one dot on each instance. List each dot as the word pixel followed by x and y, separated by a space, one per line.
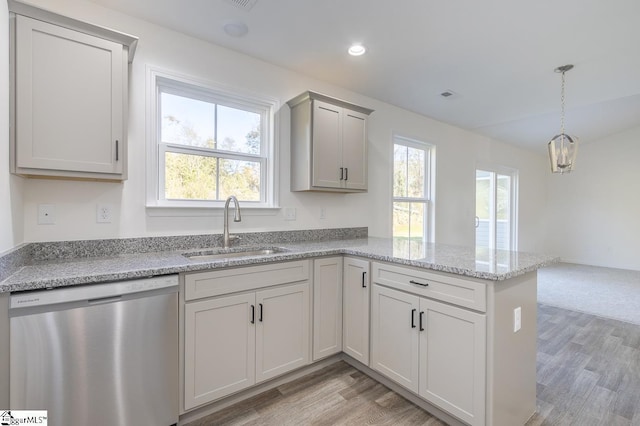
pixel 70 98
pixel 328 144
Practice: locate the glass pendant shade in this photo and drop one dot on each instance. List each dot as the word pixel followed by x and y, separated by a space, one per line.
pixel 562 153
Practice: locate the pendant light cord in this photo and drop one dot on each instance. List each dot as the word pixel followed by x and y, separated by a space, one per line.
pixel 562 106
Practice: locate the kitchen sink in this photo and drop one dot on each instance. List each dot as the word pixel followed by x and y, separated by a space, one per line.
pixel 215 254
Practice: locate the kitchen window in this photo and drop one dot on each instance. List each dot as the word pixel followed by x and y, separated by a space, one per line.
pixel 412 183
pixel 209 143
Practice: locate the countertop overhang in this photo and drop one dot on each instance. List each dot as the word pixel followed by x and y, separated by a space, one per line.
pixel 491 265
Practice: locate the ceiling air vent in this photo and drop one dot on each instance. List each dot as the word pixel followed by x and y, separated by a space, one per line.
pixel 447 94
pixel 243 4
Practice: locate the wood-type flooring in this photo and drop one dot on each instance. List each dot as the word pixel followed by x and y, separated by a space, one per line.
pixel 588 371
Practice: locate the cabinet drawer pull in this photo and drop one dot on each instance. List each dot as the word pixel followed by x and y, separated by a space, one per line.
pixel 363 281
pixel 253 314
pixel 346 173
pixel 261 309
pixel 413 318
pixel 341 173
pixel 117 150
pixel 419 283
pixel 421 318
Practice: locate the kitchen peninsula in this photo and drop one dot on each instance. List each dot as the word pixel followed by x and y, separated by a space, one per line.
pixel 451 328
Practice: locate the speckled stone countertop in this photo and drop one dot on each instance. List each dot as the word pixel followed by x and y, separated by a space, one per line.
pixel 488 265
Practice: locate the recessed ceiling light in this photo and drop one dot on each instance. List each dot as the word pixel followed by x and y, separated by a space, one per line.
pixel 235 28
pixel 357 50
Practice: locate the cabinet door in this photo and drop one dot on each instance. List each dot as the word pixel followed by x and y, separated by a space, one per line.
pixel 69 99
pixel 327 307
pixel 219 348
pixel 452 360
pixel 282 330
pixel 327 145
pixel 395 334
pixel 354 149
pixel 355 310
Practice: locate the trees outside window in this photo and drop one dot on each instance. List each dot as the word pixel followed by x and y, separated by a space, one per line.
pixel 211 144
pixel 411 188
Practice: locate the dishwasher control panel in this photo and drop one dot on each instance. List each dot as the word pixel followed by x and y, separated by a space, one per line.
pixel 92 291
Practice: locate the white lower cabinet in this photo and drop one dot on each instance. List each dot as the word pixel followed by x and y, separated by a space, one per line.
pixel 282 330
pixel 327 307
pixel 433 349
pixel 355 311
pixel 394 335
pixel 219 348
pixel 232 342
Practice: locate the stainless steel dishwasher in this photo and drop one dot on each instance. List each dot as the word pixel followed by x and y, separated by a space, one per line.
pixel 101 354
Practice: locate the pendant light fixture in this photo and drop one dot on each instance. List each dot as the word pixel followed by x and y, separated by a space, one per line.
pixel 563 148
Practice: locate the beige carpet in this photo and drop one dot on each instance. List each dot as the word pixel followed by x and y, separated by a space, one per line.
pixel 606 292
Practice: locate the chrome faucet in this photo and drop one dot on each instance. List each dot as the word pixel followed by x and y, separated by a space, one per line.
pixel 226 239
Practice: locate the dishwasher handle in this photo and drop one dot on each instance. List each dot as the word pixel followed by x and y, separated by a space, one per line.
pixel 102 300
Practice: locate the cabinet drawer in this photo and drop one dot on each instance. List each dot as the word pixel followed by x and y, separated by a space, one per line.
pixel 224 281
pixel 468 294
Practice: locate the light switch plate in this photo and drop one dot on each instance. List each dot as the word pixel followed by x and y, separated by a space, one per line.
pixel 290 213
pixel 517 319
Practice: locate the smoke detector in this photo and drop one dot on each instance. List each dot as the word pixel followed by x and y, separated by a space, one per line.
pixel 243 4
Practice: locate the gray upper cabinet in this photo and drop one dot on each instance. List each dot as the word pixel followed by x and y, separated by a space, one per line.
pixel 69 90
pixel 328 144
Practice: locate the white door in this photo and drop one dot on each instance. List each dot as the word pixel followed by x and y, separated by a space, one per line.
pixel 282 330
pixel 327 145
pixel 69 99
pixel 355 329
pixel 219 348
pixel 453 360
pixel 496 210
pixel 354 149
pixel 327 307
pixel 395 324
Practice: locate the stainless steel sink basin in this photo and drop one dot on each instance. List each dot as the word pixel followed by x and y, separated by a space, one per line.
pixel 232 253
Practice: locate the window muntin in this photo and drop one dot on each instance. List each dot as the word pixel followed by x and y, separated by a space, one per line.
pixel 211 145
pixel 411 189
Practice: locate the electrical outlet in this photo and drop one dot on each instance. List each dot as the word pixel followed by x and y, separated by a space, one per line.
pixel 517 319
pixel 323 213
pixel 290 213
pixel 46 214
pixel 103 213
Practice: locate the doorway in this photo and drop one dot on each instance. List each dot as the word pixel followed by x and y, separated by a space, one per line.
pixel 496 195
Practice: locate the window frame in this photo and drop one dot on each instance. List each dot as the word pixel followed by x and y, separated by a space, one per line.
pixel 428 183
pixel 159 81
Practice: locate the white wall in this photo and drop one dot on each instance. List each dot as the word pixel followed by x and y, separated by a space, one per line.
pixel 457 153
pixel 11 224
pixel 594 212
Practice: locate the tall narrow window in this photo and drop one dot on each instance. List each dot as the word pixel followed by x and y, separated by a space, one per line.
pixel 411 189
pixel 496 209
pixel 211 144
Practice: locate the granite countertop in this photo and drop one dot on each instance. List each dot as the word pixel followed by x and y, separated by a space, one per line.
pixel 495 265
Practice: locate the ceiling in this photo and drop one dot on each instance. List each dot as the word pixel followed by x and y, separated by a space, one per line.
pixel 498 56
